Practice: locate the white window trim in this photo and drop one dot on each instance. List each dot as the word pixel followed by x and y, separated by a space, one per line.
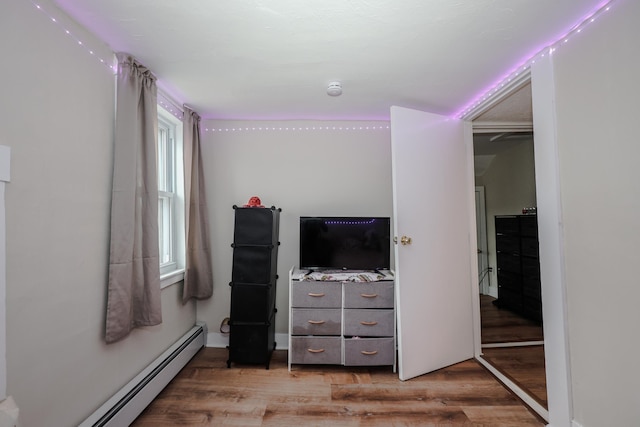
pixel 171 278
pixel 176 275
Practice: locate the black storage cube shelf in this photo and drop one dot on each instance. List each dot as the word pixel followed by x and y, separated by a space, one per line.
pixel 252 343
pixel 252 303
pixel 253 264
pixel 518 264
pixel 253 285
pixel 255 226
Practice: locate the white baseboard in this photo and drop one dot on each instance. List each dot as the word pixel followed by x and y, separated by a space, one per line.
pixel 129 402
pixel 218 340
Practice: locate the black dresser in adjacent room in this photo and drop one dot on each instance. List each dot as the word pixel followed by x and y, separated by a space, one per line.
pixel 518 264
pixel 253 285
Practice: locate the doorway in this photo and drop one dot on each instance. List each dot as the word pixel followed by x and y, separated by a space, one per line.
pixel 512 343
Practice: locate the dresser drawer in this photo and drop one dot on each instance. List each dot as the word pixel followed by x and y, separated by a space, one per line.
pixel 368 295
pixel 312 321
pixel 316 350
pixel 529 226
pixel 369 351
pixel 316 294
pixel 507 225
pixel 531 267
pixel 368 323
pixel 508 262
pixel 529 246
pixel 507 243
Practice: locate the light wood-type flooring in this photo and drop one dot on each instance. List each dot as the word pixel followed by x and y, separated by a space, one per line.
pixel 522 365
pixel 207 393
pixel 502 326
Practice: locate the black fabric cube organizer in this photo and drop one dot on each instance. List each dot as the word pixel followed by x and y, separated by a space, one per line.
pixel 253 285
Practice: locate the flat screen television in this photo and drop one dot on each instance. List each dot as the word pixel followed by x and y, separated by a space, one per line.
pixel 345 243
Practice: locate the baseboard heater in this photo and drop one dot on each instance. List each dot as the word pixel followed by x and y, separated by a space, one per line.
pixel 125 406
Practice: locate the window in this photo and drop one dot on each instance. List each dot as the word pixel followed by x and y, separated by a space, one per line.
pixel 170 198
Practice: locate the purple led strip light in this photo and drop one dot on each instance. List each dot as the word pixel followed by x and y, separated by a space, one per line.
pixel 165 103
pixel 371 221
pixel 515 72
pixel 79 42
pixel 526 64
pixel 299 128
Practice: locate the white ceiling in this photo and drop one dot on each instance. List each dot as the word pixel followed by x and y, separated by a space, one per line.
pixel 258 59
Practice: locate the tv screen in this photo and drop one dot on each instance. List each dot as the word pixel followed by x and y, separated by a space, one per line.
pixel 345 243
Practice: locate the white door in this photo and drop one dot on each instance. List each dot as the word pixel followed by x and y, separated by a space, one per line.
pixel 432 206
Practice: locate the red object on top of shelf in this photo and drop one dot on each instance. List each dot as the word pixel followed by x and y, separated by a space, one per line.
pixel 254 202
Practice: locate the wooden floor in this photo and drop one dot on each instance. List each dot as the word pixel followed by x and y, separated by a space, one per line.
pixel 501 325
pixel 522 365
pixel 207 393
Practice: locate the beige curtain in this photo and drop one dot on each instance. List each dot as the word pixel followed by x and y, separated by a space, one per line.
pixel 198 277
pixel 133 296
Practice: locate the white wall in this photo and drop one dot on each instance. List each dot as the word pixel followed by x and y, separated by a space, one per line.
pixel 57 116
pixel 597 95
pixel 304 172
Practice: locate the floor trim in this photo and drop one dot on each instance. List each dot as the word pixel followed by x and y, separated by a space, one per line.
pixel 515 388
pixel 513 344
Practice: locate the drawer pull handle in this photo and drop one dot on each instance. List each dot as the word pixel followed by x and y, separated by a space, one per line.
pixel 372 323
pixel 316 322
pixel 368 295
pixel 369 353
pixel 311 294
pixel 315 350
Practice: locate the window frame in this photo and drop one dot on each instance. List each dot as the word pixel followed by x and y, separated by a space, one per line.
pixel 171 201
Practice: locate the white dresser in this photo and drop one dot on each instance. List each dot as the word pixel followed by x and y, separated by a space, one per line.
pixel 342 319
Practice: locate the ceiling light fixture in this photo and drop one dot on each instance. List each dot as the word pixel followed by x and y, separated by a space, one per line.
pixel 334 89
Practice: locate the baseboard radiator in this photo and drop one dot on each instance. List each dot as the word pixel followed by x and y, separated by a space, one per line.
pixel 125 406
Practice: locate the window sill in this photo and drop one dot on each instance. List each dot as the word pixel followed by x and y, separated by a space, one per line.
pixel 171 278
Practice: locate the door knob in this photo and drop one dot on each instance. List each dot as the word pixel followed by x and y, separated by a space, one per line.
pixel 404 240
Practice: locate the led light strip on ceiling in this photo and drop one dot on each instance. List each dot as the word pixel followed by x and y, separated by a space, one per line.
pixel 296 128
pixel 466 112
pixel 110 64
pixel 524 68
pixel 170 105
